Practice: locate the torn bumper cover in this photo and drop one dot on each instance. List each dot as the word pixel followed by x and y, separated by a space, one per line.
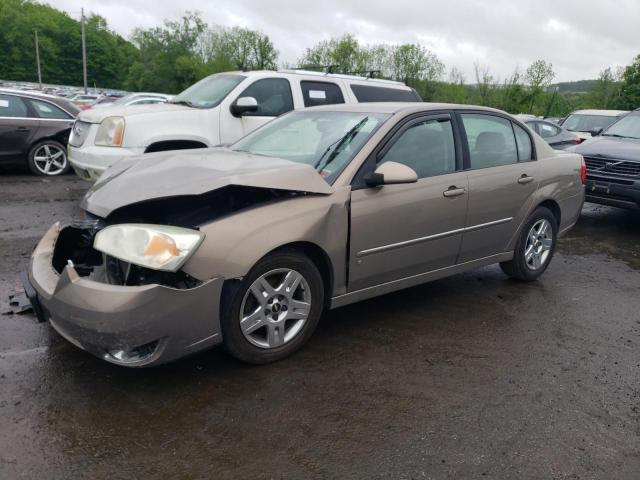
pixel 127 325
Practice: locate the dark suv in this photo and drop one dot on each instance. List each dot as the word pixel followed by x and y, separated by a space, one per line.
pixel 613 164
pixel 34 129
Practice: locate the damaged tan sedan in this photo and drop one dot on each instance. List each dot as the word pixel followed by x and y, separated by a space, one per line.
pixel 247 245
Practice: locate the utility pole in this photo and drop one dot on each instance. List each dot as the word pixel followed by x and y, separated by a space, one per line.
pixel 38 62
pixel 84 52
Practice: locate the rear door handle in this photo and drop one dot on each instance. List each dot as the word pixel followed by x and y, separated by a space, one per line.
pixel 524 179
pixel 23 130
pixel 453 191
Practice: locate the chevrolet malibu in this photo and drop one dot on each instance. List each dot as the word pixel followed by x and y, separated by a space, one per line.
pixel 247 245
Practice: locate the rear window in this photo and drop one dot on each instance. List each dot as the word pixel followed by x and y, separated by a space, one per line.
pixel 367 93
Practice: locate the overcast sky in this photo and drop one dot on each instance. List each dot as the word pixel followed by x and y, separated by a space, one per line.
pixel 580 37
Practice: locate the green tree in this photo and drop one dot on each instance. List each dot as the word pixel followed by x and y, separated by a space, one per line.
pixel 630 88
pixel 538 77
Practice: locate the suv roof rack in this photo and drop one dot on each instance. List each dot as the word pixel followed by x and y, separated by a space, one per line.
pixel 349 75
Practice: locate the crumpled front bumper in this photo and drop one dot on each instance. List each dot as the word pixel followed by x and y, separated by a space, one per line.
pixel 127 325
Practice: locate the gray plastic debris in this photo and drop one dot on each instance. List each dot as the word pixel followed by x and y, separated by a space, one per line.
pixel 19 303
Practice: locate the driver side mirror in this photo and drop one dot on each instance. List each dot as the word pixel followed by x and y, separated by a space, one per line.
pixel 391 173
pixel 244 105
pixel 596 131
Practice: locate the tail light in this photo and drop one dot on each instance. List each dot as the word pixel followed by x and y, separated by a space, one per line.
pixel 577 140
pixel 583 171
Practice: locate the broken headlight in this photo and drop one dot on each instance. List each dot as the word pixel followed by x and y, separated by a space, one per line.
pixel 159 247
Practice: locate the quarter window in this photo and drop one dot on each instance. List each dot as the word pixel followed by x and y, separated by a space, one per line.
pixel 48 110
pixel 11 106
pixel 321 93
pixel 525 150
pixel 367 93
pixel 427 147
pixel 491 140
pixel 273 96
pixel 547 130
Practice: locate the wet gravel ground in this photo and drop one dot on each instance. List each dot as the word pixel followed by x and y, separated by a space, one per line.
pixel 474 376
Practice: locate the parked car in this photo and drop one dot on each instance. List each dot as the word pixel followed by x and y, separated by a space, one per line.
pixel 556 120
pixel 613 164
pixel 83 99
pixel 134 99
pixel 34 130
pixel 556 136
pixel 324 207
pixel 217 110
pixel 583 122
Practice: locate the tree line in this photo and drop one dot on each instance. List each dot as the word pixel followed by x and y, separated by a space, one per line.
pixel 170 57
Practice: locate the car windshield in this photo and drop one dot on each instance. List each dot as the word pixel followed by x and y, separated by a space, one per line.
pixel 208 92
pixel 325 140
pixel 628 127
pixel 586 123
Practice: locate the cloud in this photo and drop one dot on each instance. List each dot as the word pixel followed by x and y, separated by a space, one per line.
pixel 579 37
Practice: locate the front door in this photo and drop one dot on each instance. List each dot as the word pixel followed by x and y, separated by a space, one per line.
pixel 502 182
pixel 274 98
pixel 403 230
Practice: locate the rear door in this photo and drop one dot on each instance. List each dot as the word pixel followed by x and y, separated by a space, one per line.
pixel 403 230
pixel 502 180
pixel 17 127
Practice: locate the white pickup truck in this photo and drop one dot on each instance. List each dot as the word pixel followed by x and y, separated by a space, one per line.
pixel 218 109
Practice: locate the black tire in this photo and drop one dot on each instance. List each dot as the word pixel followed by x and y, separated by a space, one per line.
pixel 233 337
pixel 54 145
pixel 518 268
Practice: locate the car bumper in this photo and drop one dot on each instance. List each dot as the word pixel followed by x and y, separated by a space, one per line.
pixel 136 326
pixel 615 192
pixel 89 162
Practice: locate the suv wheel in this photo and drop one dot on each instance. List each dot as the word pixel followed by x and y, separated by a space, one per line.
pixel 48 158
pixel 535 247
pixel 275 309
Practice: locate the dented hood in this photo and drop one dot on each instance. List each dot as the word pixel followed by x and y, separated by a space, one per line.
pixel 194 172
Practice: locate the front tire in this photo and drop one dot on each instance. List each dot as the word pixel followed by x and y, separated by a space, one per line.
pixel 48 158
pixel 275 309
pixel 535 247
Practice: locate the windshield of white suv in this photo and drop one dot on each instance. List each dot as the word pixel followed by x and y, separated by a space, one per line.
pixel 586 123
pixel 208 92
pixel 327 141
pixel 627 127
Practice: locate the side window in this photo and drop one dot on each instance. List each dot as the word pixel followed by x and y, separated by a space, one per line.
pixel 11 106
pixel 428 147
pixel 525 150
pixel 48 110
pixel 547 130
pixel 320 93
pixel 367 93
pixel 273 96
pixel 491 140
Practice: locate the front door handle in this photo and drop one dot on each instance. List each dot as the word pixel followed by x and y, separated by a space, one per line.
pixel 453 191
pixel 524 179
pixel 23 130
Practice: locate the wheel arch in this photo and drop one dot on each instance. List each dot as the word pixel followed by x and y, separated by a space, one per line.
pixel 554 207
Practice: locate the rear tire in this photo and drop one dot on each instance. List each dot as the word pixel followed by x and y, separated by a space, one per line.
pixel 535 247
pixel 48 158
pixel 275 309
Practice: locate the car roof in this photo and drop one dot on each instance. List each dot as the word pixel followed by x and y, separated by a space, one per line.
pixel 28 93
pixel 398 107
pixel 603 113
pixel 319 76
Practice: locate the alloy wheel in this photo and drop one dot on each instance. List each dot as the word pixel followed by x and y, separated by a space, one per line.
pixel 50 160
pixel 275 308
pixel 539 244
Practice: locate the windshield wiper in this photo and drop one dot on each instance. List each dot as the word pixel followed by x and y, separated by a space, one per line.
pixel 347 137
pixel 616 135
pixel 184 102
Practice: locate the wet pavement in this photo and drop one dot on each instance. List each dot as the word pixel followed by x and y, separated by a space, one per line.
pixel 474 376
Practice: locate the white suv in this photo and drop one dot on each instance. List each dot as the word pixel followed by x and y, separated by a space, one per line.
pixel 217 110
